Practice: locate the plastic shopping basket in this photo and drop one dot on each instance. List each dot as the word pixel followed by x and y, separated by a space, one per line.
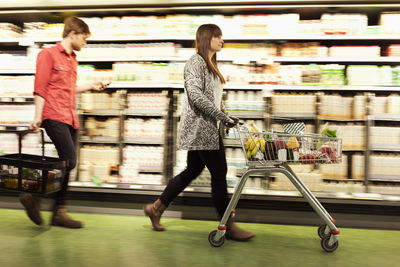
pixel 271 151
pixel 30 173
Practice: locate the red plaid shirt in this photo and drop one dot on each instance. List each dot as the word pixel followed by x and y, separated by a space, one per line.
pixel 55 81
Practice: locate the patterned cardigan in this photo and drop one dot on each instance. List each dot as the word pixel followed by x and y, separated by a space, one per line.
pixel 198 126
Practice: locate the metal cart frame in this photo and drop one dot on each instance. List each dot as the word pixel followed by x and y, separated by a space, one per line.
pixel 328 232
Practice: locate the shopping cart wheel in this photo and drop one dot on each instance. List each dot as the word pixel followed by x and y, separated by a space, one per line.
pixel 325 244
pixel 321 231
pixel 214 243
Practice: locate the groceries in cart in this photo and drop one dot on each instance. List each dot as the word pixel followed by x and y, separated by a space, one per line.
pixel 292 145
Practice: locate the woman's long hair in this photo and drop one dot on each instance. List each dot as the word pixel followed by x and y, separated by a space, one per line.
pixel 204 35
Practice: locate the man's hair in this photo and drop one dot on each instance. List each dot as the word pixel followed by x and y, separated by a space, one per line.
pixel 75 24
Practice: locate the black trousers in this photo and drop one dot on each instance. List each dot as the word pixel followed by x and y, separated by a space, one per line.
pixel 64 138
pixel 215 161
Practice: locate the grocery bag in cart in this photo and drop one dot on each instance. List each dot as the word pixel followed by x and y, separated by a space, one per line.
pixel 271 151
pixel 30 173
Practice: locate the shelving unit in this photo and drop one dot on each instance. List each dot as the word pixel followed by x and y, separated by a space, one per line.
pixel 174 88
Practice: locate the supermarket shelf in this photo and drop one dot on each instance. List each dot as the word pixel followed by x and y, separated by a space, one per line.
pixel 335 59
pixel 244 60
pixel 385 117
pixel 353 150
pixel 130 84
pixel 127 85
pixel 129 59
pixel 390 88
pixel 385 147
pixel 99 139
pixel 247 114
pixel 16 100
pixel 101 112
pixel 143 141
pixel 342 120
pixel 226 38
pixel 343 180
pixel 145 189
pixel 10 40
pixel 146 112
pixel 294 115
pixel 150 169
pixel 4 127
pixel 17 71
pixel 384 177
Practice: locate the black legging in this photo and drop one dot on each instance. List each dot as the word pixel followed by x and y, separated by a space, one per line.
pixel 196 161
pixel 64 138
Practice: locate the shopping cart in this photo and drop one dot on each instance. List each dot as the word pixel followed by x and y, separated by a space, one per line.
pixel 271 151
pixel 30 173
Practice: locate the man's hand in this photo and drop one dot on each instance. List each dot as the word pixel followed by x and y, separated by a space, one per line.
pixel 35 125
pixel 100 86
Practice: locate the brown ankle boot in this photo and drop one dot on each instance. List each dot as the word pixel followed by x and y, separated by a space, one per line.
pixel 61 218
pixel 154 211
pixel 233 232
pixel 31 204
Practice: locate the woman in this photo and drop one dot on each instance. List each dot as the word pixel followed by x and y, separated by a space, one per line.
pixel 199 131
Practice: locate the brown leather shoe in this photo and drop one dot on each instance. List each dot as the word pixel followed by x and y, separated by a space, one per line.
pixel 154 211
pixel 233 232
pixel 61 218
pixel 31 204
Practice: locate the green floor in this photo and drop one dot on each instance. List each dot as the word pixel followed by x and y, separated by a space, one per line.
pixel 114 240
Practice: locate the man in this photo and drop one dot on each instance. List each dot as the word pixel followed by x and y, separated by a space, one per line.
pixel 55 98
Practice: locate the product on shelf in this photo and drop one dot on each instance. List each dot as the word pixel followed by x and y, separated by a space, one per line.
pixel 312 180
pixel 16 62
pixel 244 101
pixel 97 161
pixel 310 49
pixel 90 102
pixel 16 114
pixel 384 167
pixel 384 136
pixel 352 134
pixel 355 51
pixel 148 158
pixel 144 72
pixel 88 73
pixel 335 171
pixel 148 129
pixel 336 107
pixel 16 86
pixel 388 21
pixel 369 75
pixel 358 166
pixel 99 154
pixel 102 127
pixel 146 101
pixel 340 23
pixel 9 30
pixel 297 105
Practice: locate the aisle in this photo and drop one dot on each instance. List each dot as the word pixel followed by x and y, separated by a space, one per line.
pixel 111 240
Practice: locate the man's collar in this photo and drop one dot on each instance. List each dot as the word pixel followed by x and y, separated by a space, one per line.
pixel 62 49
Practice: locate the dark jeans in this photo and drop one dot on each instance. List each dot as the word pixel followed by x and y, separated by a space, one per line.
pixel 64 138
pixel 196 161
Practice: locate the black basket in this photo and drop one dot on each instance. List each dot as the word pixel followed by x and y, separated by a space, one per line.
pixel 31 173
